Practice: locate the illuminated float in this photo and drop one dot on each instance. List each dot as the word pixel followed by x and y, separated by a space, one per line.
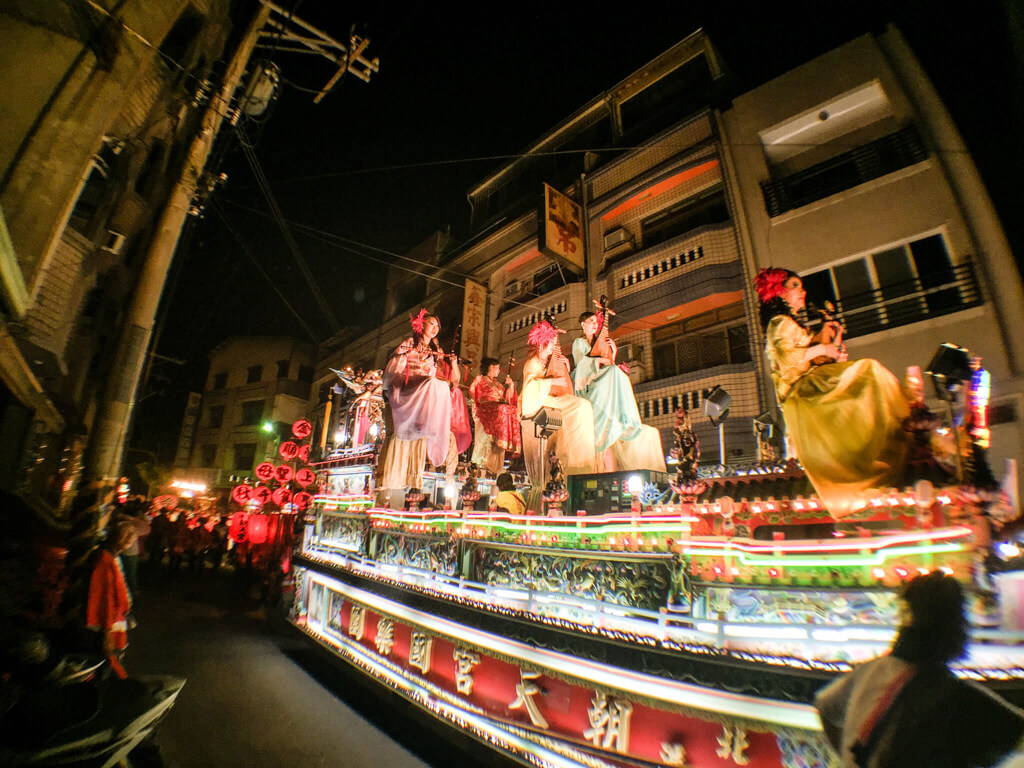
pixel 689 627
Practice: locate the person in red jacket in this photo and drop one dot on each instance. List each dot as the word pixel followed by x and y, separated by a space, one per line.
pixel 109 599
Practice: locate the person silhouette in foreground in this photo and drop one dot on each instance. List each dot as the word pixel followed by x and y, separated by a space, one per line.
pixel 907 709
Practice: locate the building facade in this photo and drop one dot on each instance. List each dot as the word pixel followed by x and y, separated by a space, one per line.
pixel 847 169
pixel 257 386
pixel 99 108
pixel 850 171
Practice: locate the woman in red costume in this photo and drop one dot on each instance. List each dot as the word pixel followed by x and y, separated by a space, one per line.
pixel 494 404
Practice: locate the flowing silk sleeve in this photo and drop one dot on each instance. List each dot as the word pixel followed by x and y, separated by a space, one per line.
pixel 586 367
pixel 786 346
pixel 395 367
pixel 535 387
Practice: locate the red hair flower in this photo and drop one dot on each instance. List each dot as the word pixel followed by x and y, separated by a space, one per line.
pixel 542 333
pixel 418 321
pixel 769 283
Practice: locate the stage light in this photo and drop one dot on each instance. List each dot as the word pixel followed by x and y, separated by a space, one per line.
pixel 949 368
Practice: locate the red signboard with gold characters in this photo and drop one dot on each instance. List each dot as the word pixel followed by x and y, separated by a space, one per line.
pixel 541 694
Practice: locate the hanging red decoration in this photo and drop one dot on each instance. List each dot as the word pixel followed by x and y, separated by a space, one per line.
pixel 258 526
pixel 241 493
pixel 304 453
pixel 261 495
pixel 238 528
pixel 305 476
pixel 282 496
pixel 284 473
pixel 265 471
pixel 288 449
pixel 302 500
pixel 302 429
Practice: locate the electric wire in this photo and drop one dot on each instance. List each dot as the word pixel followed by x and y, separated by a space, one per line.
pixel 248 252
pixel 282 224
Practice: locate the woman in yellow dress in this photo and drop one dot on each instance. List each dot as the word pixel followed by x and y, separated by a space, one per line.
pixel 844 417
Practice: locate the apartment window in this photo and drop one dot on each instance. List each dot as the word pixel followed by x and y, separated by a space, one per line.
pixel 93 191
pixel 665 102
pixel 896 286
pixel 306 374
pixel 699 342
pixel 220 381
pixel 214 417
pixel 282 369
pixel 253 374
pixel 252 412
pixel 245 456
pixel 697 211
pixel 208 454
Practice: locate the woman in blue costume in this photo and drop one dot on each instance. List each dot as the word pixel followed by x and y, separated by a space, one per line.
pixel 622 441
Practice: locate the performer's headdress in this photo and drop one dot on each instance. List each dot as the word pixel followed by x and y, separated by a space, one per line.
pixel 542 333
pixel 418 322
pixel 769 282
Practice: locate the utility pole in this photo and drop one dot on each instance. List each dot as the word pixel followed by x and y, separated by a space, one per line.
pixel 287 34
pixel 106 446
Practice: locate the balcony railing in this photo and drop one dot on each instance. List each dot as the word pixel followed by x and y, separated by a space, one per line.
pixel 870 161
pixel 934 294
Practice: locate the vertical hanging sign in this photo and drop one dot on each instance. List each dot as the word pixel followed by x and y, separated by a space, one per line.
pixel 474 313
pixel 560 234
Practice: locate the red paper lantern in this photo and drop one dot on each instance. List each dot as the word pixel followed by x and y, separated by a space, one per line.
pixel 258 526
pixel 282 496
pixel 304 453
pixel 238 528
pixel 288 449
pixel 265 471
pixel 241 493
pixel 302 500
pixel 261 495
pixel 302 429
pixel 283 473
pixel 167 501
pixel 305 476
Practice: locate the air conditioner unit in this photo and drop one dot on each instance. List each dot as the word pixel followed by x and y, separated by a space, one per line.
pixel 114 242
pixel 515 288
pixel 617 238
pixel 625 353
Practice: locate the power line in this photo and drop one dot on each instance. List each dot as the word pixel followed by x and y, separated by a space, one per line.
pixel 282 224
pixel 245 249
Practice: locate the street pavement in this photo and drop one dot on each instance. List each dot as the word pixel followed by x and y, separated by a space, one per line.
pixel 257 694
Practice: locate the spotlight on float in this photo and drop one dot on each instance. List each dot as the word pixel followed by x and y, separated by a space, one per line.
pixel 716 408
pixel 950 368
pixel 546 422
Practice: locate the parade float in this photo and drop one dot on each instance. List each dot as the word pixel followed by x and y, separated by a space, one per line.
pixel 685 621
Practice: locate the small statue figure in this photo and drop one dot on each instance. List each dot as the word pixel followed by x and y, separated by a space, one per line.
pixel 555 491
pixel 687 453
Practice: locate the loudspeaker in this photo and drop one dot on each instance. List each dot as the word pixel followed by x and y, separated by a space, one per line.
pixel 950 367
pixel 716 405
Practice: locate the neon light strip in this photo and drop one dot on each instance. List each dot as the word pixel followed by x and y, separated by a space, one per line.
pixel 876 558
pixel 801 716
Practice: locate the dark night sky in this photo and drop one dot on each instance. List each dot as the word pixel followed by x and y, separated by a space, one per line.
pixel 386 163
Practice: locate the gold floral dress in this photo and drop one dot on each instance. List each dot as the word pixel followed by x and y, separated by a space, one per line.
pixel 844 419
